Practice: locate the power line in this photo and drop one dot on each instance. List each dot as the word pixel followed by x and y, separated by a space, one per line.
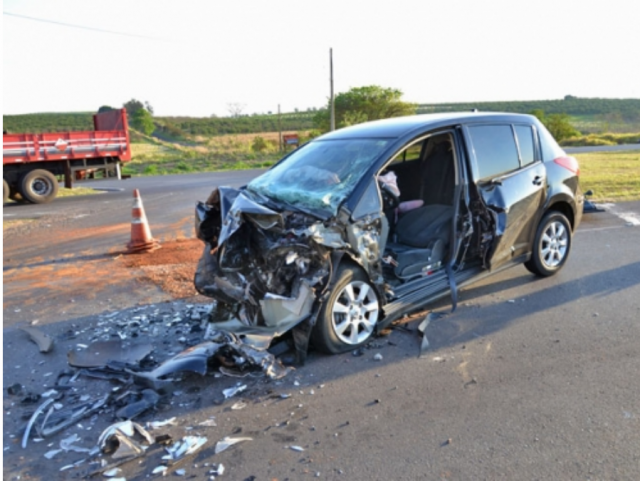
pixel 77 26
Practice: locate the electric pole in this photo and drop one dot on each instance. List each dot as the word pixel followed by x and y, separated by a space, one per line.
pixel 333 107
pixel 279 130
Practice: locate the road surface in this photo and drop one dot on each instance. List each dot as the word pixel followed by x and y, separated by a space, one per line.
pixel 528 379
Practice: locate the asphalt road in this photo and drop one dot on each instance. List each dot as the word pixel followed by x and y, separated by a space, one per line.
pixel 528 379
pixel 602 148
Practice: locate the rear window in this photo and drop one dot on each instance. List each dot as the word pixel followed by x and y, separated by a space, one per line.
pixel 524 133
pixel 495 149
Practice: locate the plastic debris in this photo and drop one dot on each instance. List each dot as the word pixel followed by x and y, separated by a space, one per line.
pixel 59 420
pixel 100 353
pixel 209 423
pixel 377 357
pixel 159 469
pixel 124 439
pixel 296 448
pixel 151 425
pixel 232 391
pixel 44 341
pixel 239 405
pixel 216 471
pixel 149 398
pixel 227 442
pixel 52 453
pixel 185 447
pixel 180 472
pixel 68 444
pixel 110 473
pixel 34 416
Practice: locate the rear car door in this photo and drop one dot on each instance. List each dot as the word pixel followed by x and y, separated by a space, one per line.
pixel 511 181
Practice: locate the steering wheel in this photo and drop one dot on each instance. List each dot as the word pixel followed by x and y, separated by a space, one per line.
pixel 389 196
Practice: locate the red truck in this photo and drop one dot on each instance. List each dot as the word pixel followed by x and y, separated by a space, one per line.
pixel 33 164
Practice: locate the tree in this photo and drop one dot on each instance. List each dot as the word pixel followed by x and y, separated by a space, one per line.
pixel 104 108
pixel 133 106
pixel 143 121
pixel 559 125
pixel 361 104
pixel 235 109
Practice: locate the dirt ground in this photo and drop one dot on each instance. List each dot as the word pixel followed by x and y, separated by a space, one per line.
pixel 166 274
pixel 171 267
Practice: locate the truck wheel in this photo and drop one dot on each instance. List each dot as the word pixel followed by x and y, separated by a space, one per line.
pixel 39 187
pixel 5 191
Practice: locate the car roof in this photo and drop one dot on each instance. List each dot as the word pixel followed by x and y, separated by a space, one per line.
pixel 400 126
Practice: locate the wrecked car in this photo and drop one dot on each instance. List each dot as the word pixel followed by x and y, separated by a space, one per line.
pixel 361 226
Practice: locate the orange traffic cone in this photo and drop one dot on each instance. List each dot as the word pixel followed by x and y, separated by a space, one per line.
pixel 141 239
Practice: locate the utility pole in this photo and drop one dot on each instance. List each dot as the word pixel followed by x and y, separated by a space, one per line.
pixel 333 107
pixel 279 130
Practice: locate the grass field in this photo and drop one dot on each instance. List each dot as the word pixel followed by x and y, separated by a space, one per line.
pixel 613 176
pixel 152 156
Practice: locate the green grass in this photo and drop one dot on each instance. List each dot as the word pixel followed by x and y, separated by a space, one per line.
pixel 152 156
pixel 613 176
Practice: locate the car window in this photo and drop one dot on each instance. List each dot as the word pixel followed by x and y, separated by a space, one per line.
pixel 495 149
pixel 524 134
pixel 550 148
pixel 410 153
pixel 319 176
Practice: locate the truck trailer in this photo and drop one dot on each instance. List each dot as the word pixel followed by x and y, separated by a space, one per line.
pixel 34 164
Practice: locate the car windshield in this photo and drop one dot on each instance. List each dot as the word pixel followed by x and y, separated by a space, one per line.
pixel 319 176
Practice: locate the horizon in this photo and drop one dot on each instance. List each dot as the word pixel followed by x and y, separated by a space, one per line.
pixel 88 112
pixel 197 58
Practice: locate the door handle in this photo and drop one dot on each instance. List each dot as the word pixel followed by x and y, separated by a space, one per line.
pixel 537 180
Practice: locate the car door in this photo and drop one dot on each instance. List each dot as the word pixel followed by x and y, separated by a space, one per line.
pixel 511 181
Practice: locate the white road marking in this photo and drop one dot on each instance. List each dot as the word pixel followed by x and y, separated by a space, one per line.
pixel 630 218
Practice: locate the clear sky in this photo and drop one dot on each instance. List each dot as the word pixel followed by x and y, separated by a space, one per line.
pixel 194 58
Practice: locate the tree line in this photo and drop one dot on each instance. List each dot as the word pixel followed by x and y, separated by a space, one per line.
pixel 357 105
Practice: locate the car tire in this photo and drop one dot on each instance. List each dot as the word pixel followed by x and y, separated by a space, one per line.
pixel 39 186
pixel 551 246
pixel 6 191
pixel 348 317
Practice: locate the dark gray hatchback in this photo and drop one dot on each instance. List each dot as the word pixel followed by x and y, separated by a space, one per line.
pixel 363 225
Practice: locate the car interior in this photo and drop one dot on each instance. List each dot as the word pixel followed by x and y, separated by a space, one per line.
pixel 420 218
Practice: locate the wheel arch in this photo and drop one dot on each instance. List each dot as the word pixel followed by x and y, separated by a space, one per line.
pixel 565 209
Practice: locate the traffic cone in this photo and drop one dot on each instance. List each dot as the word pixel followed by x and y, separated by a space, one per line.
pixel 141 239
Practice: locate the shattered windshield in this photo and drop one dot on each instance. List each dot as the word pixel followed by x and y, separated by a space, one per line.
pixel 319 176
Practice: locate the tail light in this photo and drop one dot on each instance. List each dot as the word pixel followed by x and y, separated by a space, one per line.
pixel 569 163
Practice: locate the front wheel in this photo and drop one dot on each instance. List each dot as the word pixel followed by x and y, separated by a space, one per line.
pixel 551 246
pixel 39 186
pixel 348 318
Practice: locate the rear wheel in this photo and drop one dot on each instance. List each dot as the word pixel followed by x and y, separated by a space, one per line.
pixel 39 186
pixel 551 246
pixel 348 318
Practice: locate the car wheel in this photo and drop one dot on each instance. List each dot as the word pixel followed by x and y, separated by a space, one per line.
pixel 39 186
pixel 348 318
pixel 551 246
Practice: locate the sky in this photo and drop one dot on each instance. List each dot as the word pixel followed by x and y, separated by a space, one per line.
pixel 196 58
